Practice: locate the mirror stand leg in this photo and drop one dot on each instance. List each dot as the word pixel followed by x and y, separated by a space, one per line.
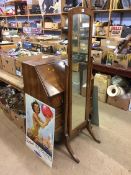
pixel 68 146
pixel 89 128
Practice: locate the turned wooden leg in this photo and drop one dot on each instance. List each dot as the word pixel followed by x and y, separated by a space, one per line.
pixel 89 128
pixel 68 146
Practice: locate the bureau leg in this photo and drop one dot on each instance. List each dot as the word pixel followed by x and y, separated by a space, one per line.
pixel 89 128
pixel 68 146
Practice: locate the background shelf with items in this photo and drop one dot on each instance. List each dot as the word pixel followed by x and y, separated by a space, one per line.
pixel 31 12
pixel 107 58
pixel 11 73
pixel 114 90
pixel 46 42
pixel 38 34
pixel 110 16
pixel 51 16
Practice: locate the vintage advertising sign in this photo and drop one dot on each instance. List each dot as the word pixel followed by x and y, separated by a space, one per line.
pixel 116 31
pixel 40 128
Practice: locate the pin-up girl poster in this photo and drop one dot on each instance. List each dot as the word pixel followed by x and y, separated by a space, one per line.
pixel 40 124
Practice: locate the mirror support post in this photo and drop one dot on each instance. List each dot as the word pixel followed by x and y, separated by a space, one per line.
pixel 66 127
pixel 89 128
pixel 68 146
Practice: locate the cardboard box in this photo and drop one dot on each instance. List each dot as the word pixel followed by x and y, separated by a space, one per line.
pixel 129 60
pixel 36 47
pixel 19 120
pixel 20 60
pixel 121 102
pixel 83 46
pixel 83 89
pixel 48 25
pixel 105 29
pixel 16 39
pixel 75 49
pixel 56 25
pixel 102 97
pixel 8 64
pixel 6 25
pixel 102 82
pixel 110 43
pixel 19 24
pixel 35 2
pixel 110 58
pixel 120 61
pixel 98 56
pixel 6 48
pixel 14 65
pixel 75 67
pixel 62 48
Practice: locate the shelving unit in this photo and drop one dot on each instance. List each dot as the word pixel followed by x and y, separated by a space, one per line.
pixel 104 37
pixel 54 16
pixel 121 10
pixel 98 11
pixel 112 70
pixel 34 15
pixel 46 14
pixel 110 12
pixel 55 30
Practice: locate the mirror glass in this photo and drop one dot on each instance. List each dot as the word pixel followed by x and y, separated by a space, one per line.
pixel 80 37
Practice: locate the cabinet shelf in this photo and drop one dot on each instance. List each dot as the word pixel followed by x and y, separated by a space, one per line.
pixel 5 16
pixel 13 16
pixel 29 15
pixel 13 80
pixel 112 70
pixel 55 30
pixel 52 14
pixel 64 13
pixel 100 37
pixel 34 14
pixel 121 10
pixel 113 10
pixel 102 11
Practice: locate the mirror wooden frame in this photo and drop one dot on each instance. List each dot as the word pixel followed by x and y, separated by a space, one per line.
pixel 69 133
pixel 79 10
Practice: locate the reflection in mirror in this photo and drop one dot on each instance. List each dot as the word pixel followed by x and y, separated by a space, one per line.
pixel 80 35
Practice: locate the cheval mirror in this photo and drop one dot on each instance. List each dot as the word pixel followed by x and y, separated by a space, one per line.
pixel 79 88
